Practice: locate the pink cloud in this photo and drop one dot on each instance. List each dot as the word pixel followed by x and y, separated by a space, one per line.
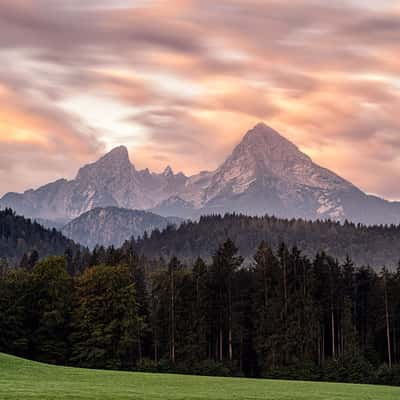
pixel 196 75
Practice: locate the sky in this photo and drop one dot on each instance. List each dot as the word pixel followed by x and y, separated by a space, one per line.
pixel 179 82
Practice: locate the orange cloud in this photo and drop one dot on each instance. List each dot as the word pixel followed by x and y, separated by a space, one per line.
pixel 38 144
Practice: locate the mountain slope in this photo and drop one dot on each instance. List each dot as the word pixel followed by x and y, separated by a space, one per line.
pixel 110 181
pixel 265 174
pixel 19 235
pixel 112 226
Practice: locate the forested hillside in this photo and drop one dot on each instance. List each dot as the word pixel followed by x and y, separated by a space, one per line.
pixel 366 245
pixel 21 237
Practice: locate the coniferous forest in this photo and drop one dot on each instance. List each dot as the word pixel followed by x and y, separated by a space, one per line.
pixel 374 245
pixel 284 315
pixel 21 238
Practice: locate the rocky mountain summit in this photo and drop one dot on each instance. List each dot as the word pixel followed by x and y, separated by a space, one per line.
pixel 265 174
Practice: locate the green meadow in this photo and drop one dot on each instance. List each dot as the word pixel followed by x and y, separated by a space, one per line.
pixel 21 379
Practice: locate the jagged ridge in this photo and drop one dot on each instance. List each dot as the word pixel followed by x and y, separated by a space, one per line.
pixel 265 174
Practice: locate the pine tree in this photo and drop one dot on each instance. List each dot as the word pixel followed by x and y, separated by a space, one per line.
pixel 268 304
pixel 385 277
pixel 225 263
pixel 200 306
pixel 173 267
pixel 16 323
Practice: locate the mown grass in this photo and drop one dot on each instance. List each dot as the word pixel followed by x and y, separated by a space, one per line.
pixel 21 379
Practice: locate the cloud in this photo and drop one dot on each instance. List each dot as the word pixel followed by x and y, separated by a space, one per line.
pixel 192 76
pixel 39 144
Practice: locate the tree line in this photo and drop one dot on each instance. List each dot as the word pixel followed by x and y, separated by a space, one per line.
pixel 366 245
pixel 284 315
pixel 22 239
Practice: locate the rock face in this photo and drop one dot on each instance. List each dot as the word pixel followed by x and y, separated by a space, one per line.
pixel 112 226
pixel 265 174
pixel 111 181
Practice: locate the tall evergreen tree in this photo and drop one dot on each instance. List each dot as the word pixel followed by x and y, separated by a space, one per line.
pixel 268 305
pixel 225 263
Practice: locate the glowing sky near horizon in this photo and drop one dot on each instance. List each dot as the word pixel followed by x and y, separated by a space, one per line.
pixel 180 81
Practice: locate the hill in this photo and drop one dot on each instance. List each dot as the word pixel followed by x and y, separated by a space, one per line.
pixel 265 174
pixel 22 379
pixel 366 245
pixel 112 226
pixel 19 236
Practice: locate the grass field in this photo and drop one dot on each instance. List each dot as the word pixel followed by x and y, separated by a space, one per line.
pixel 21 379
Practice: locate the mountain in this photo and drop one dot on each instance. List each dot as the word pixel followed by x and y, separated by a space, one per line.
pixel 265 174
pixel 19 235
pixel 111 181
pixel 374 246
pixel 113 226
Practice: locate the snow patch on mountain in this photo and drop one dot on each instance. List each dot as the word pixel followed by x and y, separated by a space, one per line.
pixel 331 208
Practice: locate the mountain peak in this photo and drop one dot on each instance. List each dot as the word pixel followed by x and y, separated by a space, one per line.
pixel 115 161
pixel 264 143
pixel 264 134
pixel 117 153
pixel 118 156
pixel 263 126
pixel 168 171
